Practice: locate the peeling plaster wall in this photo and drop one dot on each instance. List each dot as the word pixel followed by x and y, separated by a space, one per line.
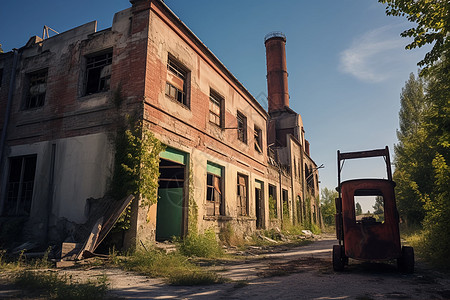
pixel 82 170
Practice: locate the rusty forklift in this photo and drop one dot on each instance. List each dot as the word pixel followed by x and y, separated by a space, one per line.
pixel 371 236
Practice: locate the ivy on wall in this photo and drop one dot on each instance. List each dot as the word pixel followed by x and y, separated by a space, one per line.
pixel 136 168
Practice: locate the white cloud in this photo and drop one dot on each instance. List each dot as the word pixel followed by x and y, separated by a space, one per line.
pixel 376 55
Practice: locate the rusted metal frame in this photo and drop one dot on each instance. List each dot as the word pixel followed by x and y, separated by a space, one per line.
pixel 364 154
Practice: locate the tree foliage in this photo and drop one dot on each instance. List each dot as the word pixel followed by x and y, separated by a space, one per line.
pixel 358 209
pixel 432 25
pixel 423 152
pixel 136 164
pixel 327 206
pixel 412 160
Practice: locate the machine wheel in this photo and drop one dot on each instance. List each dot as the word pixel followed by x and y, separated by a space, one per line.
pixel 406 262
pixel 339 260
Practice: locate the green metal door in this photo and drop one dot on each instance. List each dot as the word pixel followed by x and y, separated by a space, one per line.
pixel 169 212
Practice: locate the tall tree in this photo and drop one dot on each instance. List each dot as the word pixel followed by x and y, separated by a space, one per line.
pixel 327 206
pixel 431 21
pixel 412 162
pixel 358 209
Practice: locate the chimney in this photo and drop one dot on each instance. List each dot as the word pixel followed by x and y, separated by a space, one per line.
pixel 277 76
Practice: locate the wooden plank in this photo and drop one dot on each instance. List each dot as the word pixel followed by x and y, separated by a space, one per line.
pixel 114 216
pixel 92 239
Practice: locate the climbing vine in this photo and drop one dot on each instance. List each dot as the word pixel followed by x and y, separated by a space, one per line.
pixel 193 208
pixel 136 169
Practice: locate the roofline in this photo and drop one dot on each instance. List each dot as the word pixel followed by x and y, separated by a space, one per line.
pixel 210 54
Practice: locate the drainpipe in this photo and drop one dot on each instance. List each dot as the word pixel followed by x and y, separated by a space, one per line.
pixel 8 105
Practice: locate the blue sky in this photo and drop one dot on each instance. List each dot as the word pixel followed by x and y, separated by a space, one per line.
pixel 346 61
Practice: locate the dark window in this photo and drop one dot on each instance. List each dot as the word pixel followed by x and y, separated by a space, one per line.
pixel 176 84
pixel 214 188
pixel 242 195
pixel 273 201
pixel 98 73
pixel 258 139
pixel 295 167
pixel 215 108
pixel 241 127
pixel 285 204
pixel 37 87
pixel 22 171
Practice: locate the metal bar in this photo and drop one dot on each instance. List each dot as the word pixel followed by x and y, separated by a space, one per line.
pixel 362 154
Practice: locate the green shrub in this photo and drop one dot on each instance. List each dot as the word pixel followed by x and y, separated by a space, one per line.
pixel 201 245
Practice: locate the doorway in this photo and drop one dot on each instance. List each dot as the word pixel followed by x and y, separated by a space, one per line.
pixel 259 186
pixel 171 194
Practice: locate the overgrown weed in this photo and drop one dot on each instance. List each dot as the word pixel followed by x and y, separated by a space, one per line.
pixel 201 245
pixel 53 286
pixel 175 267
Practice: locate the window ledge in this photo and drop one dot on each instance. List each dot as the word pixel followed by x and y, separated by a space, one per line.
pixel 178 102
pixel 94 95
pixel 245 218
pixel 217 218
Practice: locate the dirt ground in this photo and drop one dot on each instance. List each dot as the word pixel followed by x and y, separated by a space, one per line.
pixel 296 273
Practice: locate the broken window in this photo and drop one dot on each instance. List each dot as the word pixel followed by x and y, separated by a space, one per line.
pixel 369 206
pixel 258 139
pixel 176 84
pixel 241 127
pixel 214 188
pixel 273 201
pixel 98 73
pixel 295 167
pixel 215 108
pixel 285 204
pixel 20 185
pixel 242 195
pixel 37 87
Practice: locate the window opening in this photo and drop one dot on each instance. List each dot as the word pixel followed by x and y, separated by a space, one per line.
pixel 37 87
pixel 285 203
pixel 258 139
pixel 273 213
pixel 98 73
pixel 214 188
pixel 242 127
pixel 176 84
pixel 242 195
pixel 20 185
pixel 215 108
pixel 369 206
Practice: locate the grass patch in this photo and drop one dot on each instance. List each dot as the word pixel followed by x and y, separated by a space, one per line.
pixel 21 262
pixel 53 286
pixel 175 267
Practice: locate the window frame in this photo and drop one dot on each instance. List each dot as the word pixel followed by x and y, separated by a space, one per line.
pixel 239 197
pixel 216 99
pixel 103 83
pixel 179 70
pixel 273 192
pixel 32 80
pixel 211 190
pixel 24 195
pixel 257 135
pixel 241 127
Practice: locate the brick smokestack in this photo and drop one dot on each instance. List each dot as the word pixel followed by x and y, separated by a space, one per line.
pixel 277 76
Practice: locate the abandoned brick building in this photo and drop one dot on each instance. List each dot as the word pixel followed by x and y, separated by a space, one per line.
pixel 240 164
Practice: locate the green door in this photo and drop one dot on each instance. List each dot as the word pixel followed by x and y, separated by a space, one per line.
pixel 169 212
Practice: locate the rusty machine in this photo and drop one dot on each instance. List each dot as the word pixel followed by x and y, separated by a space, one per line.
pixel 364 234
